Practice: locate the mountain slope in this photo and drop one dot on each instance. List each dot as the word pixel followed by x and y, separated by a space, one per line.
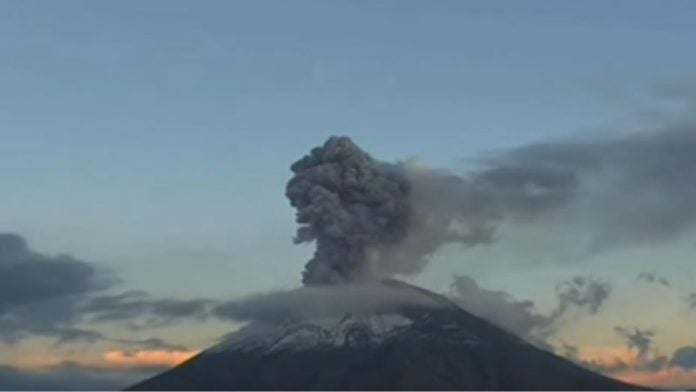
pixel 413 347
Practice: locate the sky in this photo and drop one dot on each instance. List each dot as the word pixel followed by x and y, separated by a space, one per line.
pixel 152 140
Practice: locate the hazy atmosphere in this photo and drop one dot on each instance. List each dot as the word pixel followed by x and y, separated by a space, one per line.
pixel 536 161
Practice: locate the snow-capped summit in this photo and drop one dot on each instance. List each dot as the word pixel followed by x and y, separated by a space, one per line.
pixel 422 345
pixel 349 330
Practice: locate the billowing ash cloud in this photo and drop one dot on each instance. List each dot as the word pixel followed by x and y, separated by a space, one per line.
pixel 371 218
pixel 350 205
pixel 319 301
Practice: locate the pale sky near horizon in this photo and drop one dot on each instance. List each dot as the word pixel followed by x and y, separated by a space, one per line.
pixel 155 137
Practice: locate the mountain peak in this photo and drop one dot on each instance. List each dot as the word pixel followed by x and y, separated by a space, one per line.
pixel 418 345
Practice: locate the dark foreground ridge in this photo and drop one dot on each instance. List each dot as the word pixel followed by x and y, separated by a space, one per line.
pixel 416 347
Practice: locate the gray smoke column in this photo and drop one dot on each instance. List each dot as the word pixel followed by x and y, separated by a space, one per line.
pixel 351 205
pixel 372 219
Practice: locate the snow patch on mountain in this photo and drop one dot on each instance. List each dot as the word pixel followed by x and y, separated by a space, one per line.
pixel 350 330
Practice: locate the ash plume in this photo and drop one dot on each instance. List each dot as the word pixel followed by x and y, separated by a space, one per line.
pixel 374 219
pixel 349 204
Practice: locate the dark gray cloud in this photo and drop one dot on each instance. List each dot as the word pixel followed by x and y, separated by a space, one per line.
pixel 54 318
pixel 582 292
pixel 320 301
pixel 150 344
pixel 143 311
pixel 60 297
pixel 637 339
pixel 39 293
pixel 27 276
pixel 70 376
pixel 652 277
pixel 628 190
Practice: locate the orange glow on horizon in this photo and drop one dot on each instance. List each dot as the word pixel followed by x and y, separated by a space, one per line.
pixel 610 355
pixel 108 359
pixel 118 358
pixel 666 378
pixel 669 378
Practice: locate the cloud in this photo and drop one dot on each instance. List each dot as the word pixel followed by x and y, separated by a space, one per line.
pixel 581 292
pixel 691 300
pixel 39 293
pixel 321 301
pixel 63 298
pixel 638 339
pixel 139 306
pixel 498 307
pixel 628 190
pixel 652 277
pixel 656 371
pixel 150 344
pixel 604 359
pixel 520 316
pixel 684 358
pixel 27 276
pixel 639 361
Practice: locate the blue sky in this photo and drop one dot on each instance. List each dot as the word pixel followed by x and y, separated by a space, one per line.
pixel 153 136
pixel 134 129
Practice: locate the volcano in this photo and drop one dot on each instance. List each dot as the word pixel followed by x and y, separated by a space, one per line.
pixel 438 346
